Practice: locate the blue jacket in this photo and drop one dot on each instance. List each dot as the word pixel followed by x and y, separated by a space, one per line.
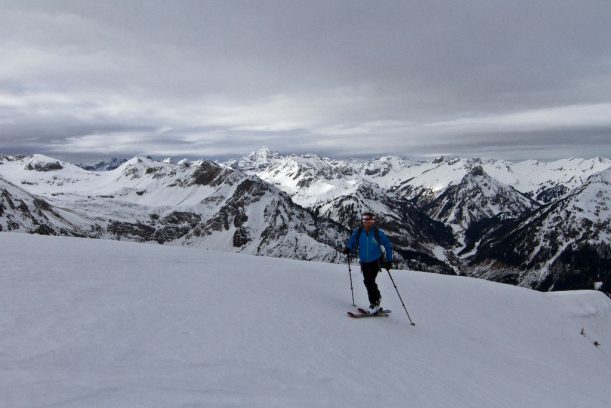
pixel 369 249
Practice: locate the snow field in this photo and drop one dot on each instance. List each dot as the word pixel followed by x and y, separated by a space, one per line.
pixel 108 323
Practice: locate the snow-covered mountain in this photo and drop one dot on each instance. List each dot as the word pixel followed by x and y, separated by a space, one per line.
pixel 473 197
pixel 308 179
pixel 103 165
pixel 22 211
pixel 311 179
pixel 445 215
pixel 415 236
pixel 561 245
pixel 477 196
pixel 100 323
pixel 341 190
pixel 542 181
pixel 548 181
pixel 200 204
pixel 257 160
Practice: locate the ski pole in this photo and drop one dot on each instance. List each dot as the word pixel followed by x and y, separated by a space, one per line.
pixel 404 308
pixel 350 273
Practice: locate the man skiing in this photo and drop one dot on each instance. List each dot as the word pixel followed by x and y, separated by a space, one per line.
pixel 369 239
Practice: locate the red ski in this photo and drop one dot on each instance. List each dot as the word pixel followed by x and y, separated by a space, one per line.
pixel 364 313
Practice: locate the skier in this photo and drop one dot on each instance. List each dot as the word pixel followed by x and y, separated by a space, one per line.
pixel 368 240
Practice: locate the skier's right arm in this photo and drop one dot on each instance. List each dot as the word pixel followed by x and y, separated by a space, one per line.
pixel 351 243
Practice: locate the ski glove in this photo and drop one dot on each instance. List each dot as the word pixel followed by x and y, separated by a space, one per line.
pixel 347 251
pixel 386 265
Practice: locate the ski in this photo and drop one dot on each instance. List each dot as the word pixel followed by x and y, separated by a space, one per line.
pixel 359 315
pixel 361 310
pixel 364 313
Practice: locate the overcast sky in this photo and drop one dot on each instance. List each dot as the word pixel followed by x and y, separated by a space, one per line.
pixel 506 79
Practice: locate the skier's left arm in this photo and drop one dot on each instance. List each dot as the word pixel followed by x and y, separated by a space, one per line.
pixel 387 246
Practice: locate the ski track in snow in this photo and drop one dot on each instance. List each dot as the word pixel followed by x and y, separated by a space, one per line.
pixel 106 323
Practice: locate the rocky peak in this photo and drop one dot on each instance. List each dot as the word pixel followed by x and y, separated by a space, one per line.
pixel 257 160
pixel 477 171
pixel 104 165
pixel 210 174
pixel 475 197
pixel 41 163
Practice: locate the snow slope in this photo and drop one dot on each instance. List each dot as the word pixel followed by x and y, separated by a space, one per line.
pixel 20 210
pixel 95 323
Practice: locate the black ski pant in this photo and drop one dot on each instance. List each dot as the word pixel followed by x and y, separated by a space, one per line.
pixel 370 272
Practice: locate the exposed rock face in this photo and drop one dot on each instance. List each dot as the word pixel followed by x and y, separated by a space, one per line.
pixel 210 174
pixel 132 231
pixel 104 165
pixel 44 166
pixel 548 194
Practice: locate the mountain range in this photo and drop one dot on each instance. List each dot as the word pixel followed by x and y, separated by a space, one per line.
pixel 544 225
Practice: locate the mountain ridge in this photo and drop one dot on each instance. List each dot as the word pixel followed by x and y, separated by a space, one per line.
pixel 444 215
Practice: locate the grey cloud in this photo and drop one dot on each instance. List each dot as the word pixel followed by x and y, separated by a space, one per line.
pixel 284 74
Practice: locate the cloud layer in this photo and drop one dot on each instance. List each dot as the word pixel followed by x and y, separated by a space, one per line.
pixel 504 79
